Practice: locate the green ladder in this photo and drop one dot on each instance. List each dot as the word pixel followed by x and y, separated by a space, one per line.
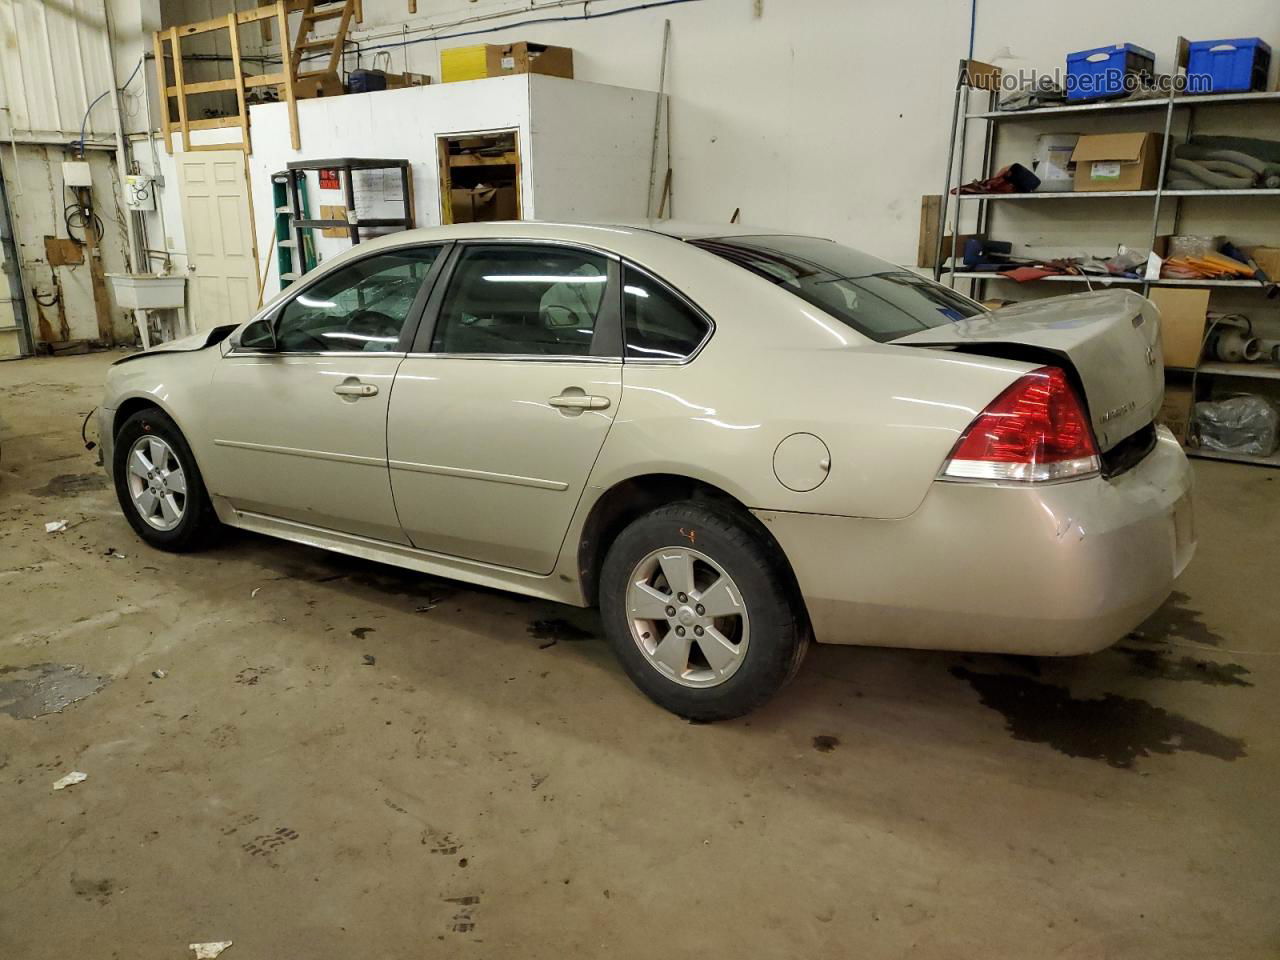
pixel 287 262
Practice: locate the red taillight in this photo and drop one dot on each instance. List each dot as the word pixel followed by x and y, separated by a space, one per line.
pixel 1035 431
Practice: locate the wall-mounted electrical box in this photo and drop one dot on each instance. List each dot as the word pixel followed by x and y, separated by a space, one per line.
pixel 139 192
pixel 75 173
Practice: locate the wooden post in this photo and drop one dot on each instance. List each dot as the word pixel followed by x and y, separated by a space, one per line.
pixel 101 302
pixel 176 46
pixel 161 75
pixel 233 29
pixel 282 18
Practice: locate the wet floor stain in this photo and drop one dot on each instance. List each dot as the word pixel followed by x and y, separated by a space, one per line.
pixel 1116 730
pixel 43 688
pixel 554 630
pixel 72 485
pixel 1176 621
pixel 824 743
pixel 1157 664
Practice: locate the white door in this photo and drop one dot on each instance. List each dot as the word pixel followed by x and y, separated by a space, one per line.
pixel 492 435
pixel 215 215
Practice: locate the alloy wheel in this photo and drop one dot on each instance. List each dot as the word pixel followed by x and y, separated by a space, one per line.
pixel 687 617
pixel 157 484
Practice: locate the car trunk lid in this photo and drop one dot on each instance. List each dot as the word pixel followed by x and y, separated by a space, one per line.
pixel 1109 340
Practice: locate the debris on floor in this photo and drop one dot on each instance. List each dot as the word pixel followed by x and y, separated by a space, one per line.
pixel 37 689
pixel 74 777
pixel 208 951
pixel 369 660
pixel 159 674
pixel 254 592
pixel 53 526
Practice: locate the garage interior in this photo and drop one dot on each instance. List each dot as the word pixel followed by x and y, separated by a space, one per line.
pixel 265 749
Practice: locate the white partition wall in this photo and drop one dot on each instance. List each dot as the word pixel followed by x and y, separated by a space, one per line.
pixel 584 147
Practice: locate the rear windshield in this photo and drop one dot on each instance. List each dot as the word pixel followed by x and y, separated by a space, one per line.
pixel 876 298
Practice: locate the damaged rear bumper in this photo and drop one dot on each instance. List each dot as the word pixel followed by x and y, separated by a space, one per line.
pixel 1056 569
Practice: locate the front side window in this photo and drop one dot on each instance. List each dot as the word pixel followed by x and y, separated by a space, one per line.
pixel 522 299
pixel 879 300
pixel 360 307
pixel 657 324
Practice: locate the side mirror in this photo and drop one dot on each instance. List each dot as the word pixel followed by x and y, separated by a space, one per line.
pixel 259 335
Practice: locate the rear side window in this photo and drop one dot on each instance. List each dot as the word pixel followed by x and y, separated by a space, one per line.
pixel 522 299
pixel 878 299
pixel 658 324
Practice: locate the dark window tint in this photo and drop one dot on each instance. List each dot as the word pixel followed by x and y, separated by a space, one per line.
pixel 876 298
pixel 658 324
pixel 522 299
pixel 362 306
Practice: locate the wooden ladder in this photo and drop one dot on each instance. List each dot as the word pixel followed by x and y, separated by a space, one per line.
pixel 312 82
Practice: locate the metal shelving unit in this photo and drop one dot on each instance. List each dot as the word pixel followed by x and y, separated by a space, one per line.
pixel 301 224
pixel 978 77
pixel 975 76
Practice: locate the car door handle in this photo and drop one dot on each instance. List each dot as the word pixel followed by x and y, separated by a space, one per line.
pixel 356 390
pixel 578 401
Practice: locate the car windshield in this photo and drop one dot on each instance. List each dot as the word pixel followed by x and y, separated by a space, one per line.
pixel 876 298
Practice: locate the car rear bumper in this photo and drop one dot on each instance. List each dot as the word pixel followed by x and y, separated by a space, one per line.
pixel 1051 570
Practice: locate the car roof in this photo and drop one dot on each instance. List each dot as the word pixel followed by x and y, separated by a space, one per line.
pixel 601 232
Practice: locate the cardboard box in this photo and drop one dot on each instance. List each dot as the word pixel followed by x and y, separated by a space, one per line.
pixel 397 80
pixel 1175 412
pixel 463 63
pixel 525 57
pixel 1117 161
pixel 1267 259
pixel 1182 320
pixel 483 203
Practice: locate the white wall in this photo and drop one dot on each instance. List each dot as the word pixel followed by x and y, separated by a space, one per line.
pixel 822 115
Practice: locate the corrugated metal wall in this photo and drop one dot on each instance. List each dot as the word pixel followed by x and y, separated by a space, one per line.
pixel 53 64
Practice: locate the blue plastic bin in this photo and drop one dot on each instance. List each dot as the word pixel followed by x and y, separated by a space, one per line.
pixel 1108 71
pixel 1228 66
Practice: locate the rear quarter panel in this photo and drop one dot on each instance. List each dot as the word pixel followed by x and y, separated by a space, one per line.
pixel 776 366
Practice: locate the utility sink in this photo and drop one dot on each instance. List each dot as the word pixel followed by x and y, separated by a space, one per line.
pixel 148 291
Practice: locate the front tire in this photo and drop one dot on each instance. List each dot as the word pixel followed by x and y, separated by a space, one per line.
pixel 159 485
pixel 702 611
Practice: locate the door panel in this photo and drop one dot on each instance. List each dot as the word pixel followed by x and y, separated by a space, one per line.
pixel 300 432
pixel 483 465
pixel 287 445
pixel 215 209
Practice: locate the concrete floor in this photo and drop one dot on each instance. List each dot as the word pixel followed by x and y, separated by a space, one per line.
pixel 480 791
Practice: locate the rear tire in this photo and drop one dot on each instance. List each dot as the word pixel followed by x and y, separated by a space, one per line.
pixel 159 485
pixel 702 610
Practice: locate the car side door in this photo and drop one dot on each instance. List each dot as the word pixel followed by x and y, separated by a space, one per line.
pixel 501 409
pixel 300 402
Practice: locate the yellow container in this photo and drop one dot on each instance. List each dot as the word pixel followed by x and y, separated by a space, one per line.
pixel 463 63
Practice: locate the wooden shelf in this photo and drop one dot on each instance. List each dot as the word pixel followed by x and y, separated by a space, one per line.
pixel 1115 194
pixel 1206 454
pixel 1103 280
pixel 477 160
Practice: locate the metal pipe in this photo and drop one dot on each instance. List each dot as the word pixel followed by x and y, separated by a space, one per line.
pixel 657 118
pixel 122 144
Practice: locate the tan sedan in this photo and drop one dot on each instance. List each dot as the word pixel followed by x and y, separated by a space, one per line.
pixel 732 441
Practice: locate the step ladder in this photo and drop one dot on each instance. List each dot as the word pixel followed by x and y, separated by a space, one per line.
pixel 317 75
